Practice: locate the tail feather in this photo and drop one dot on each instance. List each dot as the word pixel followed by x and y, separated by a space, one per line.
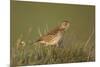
pixel 35 42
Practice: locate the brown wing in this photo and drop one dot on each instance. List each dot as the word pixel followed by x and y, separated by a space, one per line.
pixel 54 31
pixel 46 38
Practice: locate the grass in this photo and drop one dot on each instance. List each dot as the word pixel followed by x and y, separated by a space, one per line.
pixel 72 50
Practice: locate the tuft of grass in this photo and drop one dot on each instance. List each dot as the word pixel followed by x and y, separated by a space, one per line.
pixel 72 50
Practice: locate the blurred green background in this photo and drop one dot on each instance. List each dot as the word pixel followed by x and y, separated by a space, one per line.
pixel 27 17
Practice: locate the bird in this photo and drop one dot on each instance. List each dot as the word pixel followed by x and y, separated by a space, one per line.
pixel 54 36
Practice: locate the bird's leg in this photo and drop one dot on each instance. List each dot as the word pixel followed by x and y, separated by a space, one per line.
pixel 60 43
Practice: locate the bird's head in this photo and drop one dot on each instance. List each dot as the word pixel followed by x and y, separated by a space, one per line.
pixel 65 25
